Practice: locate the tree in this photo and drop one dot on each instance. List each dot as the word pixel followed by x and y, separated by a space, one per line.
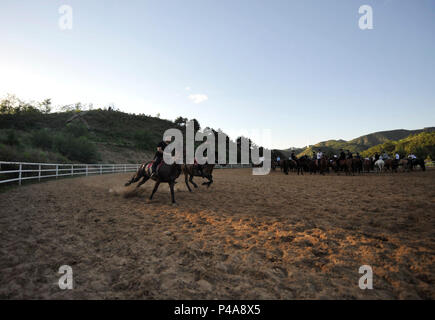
pixel 196 125
pixel 45 106
pixel 180 121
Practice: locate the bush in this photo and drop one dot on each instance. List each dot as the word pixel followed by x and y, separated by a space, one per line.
pixel 76 149
pixel 42 139
pixel 10 137
pixel 77 129
pixel 143 140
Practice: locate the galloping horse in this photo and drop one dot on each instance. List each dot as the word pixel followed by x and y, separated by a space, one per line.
pixel 166 173
pixel 191 170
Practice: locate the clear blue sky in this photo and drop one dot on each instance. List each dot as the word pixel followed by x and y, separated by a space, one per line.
pixel 301 68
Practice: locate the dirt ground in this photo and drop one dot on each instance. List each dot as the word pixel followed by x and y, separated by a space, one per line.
pixel 246 237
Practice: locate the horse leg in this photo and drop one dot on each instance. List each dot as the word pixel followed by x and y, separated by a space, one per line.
pixel 145 179
pixel 187 183
pixel 135 178
pixel 171 186
pixel 191 181
pixel 156 186
pixel 210 180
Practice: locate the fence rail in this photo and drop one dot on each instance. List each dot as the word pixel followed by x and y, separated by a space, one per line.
pixel 20 171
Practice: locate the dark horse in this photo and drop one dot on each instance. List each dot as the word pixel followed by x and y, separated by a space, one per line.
pixel 415 162
pixel 166 173
pixel 302 164
pixel 191 170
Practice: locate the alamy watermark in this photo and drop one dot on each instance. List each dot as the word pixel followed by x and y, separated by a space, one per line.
pixel 65 21
pixel 366 20
pixel 366 281
pixel 185 153
pixel 66 280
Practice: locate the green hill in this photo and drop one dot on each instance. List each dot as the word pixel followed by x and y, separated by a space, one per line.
pixel 421 144
pixel 92 136
pixel 362 143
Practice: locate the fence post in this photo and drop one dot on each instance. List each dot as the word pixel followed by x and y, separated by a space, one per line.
pixel 125 168
pixel 39 173
pixel 101 169
pixel 72 169
pixel 19 175
pixel 86 170
pixel 113 168
pixel 57 170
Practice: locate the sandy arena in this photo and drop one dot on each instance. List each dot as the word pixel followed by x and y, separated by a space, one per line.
pixel 246 237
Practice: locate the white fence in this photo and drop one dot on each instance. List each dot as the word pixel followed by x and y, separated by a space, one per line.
pixel 29 171
pixel 19 171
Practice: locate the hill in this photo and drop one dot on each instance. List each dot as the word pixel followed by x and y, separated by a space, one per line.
pixel 104 136
pixel 31 133
pixel 421 144
pixel 364 142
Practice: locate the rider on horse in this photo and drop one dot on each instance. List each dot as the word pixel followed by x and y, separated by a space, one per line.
pixel 319 156
pixel 158 157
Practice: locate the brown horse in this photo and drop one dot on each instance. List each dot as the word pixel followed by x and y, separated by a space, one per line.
pixel 391 164
pixel 322 165
pixel 349 166
pixel 191 170
pixel 166 173
pixel 368 165
pixel 357 165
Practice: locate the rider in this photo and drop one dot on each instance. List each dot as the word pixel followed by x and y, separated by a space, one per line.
pixel 349 155
pixel 158 157
pixel 397 158
pixel 358 156
pixel 293 156
pixel 376 156
pixel 319 156
pixel 342 155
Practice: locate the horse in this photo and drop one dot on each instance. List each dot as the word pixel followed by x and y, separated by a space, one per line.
pixel 167 173
pixel 191 170
pixel 368 165
pixel 415 162
pixel 349 166
pixel 302 164
pixel 312 166
pixel 379 164
pixel 322 165
pixel 357 165
pixel 284 165
pixel 406 164
pixel 341 165
pixel 391 164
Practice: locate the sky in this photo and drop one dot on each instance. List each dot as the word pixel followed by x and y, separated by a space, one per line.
pixel 302 69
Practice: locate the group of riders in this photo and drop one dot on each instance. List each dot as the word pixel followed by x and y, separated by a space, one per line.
pixel 347 162
pixel 320 162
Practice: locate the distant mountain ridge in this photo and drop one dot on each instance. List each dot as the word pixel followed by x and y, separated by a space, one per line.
pixel 358 144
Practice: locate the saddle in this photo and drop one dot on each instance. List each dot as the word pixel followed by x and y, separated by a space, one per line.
pixel 149 167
